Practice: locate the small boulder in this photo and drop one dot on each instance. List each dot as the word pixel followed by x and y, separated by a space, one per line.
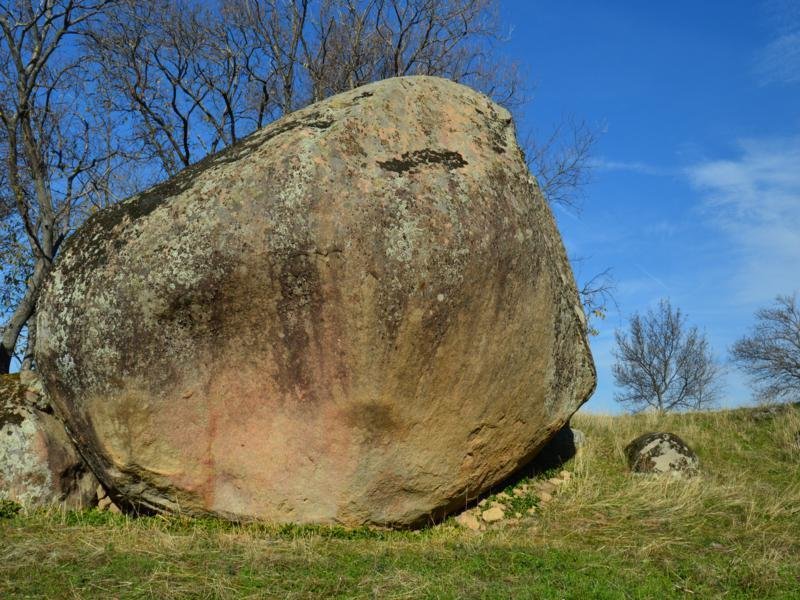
pixel 545 486
pixel 661 453
pixel 469 521
pixel 39 465
pixel 494 514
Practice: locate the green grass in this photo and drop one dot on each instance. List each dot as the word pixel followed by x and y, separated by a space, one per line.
pixel 732 532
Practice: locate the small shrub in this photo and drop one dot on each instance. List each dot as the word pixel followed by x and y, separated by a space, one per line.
pixel 8 508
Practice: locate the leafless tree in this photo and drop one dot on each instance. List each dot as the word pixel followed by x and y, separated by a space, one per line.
pixel 560 161
pixel 770 355
pixel 661 364
pixel 46 137
pixel 194 77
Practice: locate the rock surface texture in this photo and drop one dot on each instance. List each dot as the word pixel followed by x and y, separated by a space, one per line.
pixel 361 314
pixel 39 465
pixel 661 453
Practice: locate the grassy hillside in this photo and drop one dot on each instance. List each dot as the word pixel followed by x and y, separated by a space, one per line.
pixel 733 532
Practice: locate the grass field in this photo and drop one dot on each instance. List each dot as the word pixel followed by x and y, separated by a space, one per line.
pixel 732 532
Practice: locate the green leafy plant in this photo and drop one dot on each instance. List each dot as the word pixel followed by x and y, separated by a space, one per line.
pixel 8 508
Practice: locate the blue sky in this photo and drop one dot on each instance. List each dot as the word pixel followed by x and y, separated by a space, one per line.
pixel 695 193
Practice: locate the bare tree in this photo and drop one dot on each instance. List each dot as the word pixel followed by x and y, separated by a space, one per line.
pixel 560 161
pixel 195 77
pixel 662 365
pixel 46 138
pixel 770 355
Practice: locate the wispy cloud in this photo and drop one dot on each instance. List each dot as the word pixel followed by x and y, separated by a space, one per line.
pixel 755 200
pixel 602 164
pixel 779 60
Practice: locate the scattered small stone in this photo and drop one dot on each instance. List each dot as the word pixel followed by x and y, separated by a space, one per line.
pixel 545 486
pixel 114 509
pixel 104 503
pixel 494 514
pixel 469 521
pixel 717 546
pixel 555 481
pixel 544 496
pixel 565 475
pixel 532 511
pixel 101 492
pixel 483 502
pixel 521 491
pixel 503 496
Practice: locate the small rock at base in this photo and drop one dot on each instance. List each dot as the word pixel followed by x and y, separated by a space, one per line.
pixel 469 521
pixel 545 486
pixel 565 475
pixel 493 514
pixel 544 496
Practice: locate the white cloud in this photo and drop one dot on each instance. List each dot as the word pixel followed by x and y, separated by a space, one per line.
pixel 602 164
pixel 755 200
pixel 779 60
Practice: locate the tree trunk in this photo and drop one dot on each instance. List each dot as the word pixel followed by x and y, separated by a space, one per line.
pixel 22 314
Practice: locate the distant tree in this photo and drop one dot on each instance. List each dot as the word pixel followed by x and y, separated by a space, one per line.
pixel 662 364
pixel 770 355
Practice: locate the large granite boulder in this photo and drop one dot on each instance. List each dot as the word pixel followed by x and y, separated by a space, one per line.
pixel 361 314
pixel 39 465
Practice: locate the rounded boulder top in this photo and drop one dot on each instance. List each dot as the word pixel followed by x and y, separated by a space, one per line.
pixel 360 314
pixel 661 453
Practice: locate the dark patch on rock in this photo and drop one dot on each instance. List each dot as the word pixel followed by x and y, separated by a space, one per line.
pixel 411 161
pixel 375 421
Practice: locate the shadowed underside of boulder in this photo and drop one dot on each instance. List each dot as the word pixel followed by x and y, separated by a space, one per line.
pixel 362 313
